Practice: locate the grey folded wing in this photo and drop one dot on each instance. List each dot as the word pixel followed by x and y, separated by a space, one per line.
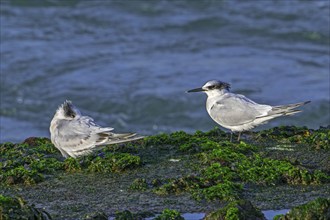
pixel 80 136
pixel 235 110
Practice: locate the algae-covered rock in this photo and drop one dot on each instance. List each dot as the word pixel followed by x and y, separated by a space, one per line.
pixel 71 165
pixel 317 139
pixel 187 172
pixel 169 214
pixel 16 208
pixel 124 215
pixel 201 188
pixel 36 159
pixel 178 185
pixel 27 162
pixel 95 216
pixel 284 132
pixel 139 184
pixel 223 167
pixel 239 209
pixel 226 191
pixel 113 163
pixel 127 215
pixel 316 209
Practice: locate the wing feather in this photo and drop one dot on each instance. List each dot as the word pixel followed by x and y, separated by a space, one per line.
pixel 81 135
pixel 234 110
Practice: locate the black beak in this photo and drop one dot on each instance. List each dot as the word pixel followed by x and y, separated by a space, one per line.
pixel 196 90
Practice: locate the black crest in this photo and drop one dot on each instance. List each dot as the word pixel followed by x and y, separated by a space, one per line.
pixel 215 84
pixel 224 85
pixel 68 109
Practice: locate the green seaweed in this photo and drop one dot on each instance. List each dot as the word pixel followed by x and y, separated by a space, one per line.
pixel 206 167
pixel 127 215
pixel 223 166
pixel 164 139
pixel 235 210
pixel 28 163
pixel 139 184
pixel 124 215
pixel 95 216
pixel 178 185
pixel 319 139
pixel 284 133
pixel 316 209
pixel 71 165
pixel 226 191
pixel 21 175
pixel 316 139
pixel 217 172
pixel 201 188
pixel 271 172
pixel 114 163
pixel 17 208
pixel 169 214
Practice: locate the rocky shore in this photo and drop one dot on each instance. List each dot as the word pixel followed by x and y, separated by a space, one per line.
pixel 169 174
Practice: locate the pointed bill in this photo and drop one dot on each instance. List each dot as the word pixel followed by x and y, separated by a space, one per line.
pixel 196 90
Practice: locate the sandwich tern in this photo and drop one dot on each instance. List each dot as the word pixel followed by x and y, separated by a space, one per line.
pixel 77 135
pixel 238 113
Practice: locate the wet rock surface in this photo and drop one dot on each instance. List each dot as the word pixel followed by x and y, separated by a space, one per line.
pixel 17 208
pixel 203 172
pixel 316 209
pixel 240 209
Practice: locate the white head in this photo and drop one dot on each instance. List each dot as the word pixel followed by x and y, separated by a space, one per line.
pixel 67 111
pixel 213 87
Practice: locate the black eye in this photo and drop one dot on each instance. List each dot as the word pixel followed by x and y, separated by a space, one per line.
pixel 70 114
pixel 212 87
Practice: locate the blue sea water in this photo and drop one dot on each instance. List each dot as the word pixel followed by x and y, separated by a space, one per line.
pixel 128 64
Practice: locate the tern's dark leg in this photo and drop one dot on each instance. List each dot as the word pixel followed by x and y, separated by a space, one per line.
pixel 239 136
pixel 231 136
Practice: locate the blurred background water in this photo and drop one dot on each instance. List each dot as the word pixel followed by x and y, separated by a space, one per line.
pixel 128 63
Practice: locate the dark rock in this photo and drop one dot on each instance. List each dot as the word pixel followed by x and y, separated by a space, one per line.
pixel 96 216
pixel 16 208
pixel 316 209
pixel 239 209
